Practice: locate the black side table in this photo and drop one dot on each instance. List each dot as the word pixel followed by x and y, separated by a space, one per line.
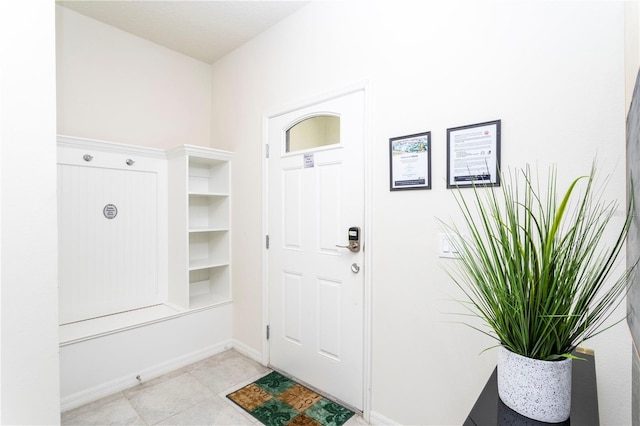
pixel 489 410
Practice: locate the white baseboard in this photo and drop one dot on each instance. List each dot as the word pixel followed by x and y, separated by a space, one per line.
pixel 122 383
pixel 376 418
pixel 247 350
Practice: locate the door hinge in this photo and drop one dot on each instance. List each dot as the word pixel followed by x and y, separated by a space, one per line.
pixel 268 332
pixel 267 150
pixel 267 242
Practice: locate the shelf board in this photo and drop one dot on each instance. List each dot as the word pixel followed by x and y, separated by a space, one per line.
pixel 196 230
pixel 198 264
pixel 202 300
pixel 208 194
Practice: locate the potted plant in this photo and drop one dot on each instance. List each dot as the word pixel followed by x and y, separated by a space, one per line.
pixel 532 266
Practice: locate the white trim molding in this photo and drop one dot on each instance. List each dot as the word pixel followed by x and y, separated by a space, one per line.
pixel 247 351
pixel 376 418
pixel 113 147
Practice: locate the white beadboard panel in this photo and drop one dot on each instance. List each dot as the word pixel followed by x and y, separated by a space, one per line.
pixel 329 178
pixel 107 265
pixel 329 319
pixel 292 208
pixel 292 292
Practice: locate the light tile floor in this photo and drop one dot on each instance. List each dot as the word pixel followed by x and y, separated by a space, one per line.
pixel 193 395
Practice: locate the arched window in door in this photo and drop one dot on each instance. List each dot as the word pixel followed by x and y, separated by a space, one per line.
pixel 313 132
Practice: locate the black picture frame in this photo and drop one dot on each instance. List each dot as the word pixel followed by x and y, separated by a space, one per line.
pixel 410 162
pixel 473 155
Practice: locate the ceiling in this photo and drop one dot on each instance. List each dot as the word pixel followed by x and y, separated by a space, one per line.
pixel 204 30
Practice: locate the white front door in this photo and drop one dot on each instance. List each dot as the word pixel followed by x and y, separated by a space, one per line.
pixel 316 289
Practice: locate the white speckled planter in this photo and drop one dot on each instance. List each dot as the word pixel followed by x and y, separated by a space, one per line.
pixel 540 390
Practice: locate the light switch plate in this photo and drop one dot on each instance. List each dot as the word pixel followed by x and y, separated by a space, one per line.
pixel 446 246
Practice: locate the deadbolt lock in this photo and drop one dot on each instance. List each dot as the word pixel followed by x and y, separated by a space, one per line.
pixel 354 240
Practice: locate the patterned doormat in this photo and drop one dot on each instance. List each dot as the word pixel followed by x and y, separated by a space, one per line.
pixel 276 400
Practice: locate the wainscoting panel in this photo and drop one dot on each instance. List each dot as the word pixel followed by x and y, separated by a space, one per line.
pixel 112 228
pixel 108 236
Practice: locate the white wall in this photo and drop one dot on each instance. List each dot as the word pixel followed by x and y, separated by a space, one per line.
pixel 29 380
pixel 117 87
pixel 552 71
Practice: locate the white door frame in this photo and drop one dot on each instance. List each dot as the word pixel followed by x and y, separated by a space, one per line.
pixel 367 302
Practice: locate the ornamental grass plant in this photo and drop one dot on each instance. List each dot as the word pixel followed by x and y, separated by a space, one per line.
pixel 532 263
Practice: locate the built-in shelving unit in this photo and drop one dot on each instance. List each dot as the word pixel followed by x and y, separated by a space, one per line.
pixel 199 226
pixel 160 261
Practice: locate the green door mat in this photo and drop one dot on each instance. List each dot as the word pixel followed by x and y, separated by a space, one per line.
pixel 276 400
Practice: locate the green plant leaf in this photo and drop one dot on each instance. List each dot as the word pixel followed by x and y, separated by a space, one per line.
pixel 532 268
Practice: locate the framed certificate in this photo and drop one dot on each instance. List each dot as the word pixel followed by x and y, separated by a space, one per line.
pixel 410 162
pixel 473 155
